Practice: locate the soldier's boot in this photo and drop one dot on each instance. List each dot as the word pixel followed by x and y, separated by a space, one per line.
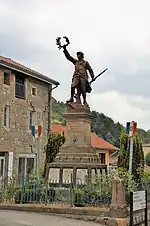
pixel 85 103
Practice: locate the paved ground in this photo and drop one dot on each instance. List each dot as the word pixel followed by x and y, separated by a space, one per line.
pixel 14 218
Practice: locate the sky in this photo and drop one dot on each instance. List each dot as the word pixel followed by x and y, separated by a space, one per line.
pixel 113 34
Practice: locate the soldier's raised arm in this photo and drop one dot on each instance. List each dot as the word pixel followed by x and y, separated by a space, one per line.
pixel 88 67
pixel 67 55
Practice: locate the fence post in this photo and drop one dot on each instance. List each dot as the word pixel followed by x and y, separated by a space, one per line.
pixel 46 193
pixel 71 192
pixel 146 209
pixel 131 209
pixel 22 188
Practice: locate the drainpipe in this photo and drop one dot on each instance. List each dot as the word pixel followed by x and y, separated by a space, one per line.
pixel 116 152
pixel 50 107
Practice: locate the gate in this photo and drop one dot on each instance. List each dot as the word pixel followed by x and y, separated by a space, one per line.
pixel 138 208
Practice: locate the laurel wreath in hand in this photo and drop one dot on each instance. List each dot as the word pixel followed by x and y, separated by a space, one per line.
pixel 58 42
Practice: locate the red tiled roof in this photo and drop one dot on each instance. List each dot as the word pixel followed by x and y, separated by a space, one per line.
pixel 11 64
pixel 96 141
pixel 57 128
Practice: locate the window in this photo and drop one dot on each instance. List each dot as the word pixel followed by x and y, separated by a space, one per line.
pixel 26 164
pixel 102 158
pixel 7 78
pixel 29 165
pixel 6 116
pixel 30 120
pixel 20 87
pixel 34 91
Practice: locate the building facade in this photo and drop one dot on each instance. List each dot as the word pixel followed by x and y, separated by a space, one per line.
pixel 25 100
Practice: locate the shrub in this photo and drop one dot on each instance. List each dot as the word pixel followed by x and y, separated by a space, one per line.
pixel 79 197
pixel 54 142
pixel 138 156
pixel 96 193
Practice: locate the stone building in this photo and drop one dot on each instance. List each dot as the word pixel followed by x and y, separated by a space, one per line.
pixel 25 100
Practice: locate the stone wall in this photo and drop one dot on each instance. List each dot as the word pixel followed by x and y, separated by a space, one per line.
pixel 18 138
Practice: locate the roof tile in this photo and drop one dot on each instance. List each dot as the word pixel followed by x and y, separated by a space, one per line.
pixel 11 63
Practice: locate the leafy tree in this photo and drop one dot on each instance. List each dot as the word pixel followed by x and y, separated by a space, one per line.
pixel 147 159
pixel 55 141
pixel 138 155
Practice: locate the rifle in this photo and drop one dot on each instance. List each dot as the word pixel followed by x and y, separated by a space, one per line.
pixel 93 80
pixel 88 84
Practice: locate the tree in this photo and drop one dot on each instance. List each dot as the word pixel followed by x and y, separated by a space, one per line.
pixel 138 155
pixel 55 141
pixel 147 159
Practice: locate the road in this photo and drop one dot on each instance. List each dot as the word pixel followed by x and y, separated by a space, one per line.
pixel 15 218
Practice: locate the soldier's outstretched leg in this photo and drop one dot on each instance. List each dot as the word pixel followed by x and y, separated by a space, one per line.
pixel 78 96
pixel 72 95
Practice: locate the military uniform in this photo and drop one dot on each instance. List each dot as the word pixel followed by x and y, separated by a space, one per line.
pixel 80 76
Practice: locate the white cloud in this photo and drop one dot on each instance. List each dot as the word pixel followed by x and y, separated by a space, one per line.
pixel 112 34
pixel 122 108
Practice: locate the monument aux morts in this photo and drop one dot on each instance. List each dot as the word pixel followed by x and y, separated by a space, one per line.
pixel 76 160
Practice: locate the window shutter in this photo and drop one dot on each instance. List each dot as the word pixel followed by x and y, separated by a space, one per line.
pixel 10 78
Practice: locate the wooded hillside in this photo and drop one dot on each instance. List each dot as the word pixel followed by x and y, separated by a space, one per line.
pixel 102 125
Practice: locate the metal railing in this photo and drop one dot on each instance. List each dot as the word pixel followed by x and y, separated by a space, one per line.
pixel 26 190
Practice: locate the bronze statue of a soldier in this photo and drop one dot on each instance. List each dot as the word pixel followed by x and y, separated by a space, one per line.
pixel 80 77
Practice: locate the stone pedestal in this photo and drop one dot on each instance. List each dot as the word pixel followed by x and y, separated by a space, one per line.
pixel 118 207
pixel 76 159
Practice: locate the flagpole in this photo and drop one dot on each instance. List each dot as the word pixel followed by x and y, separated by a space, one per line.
pixel 36 133
pixel 38 160
pixel 131 156
pixel 131 130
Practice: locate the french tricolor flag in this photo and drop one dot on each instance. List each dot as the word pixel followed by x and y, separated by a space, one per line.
pixel 37 131
pixel 131 128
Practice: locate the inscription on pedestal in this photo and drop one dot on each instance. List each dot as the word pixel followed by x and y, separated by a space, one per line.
pixel 93 175
pixel 67 175
pixel 98 172
pixel 54 175
pixel 81 176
